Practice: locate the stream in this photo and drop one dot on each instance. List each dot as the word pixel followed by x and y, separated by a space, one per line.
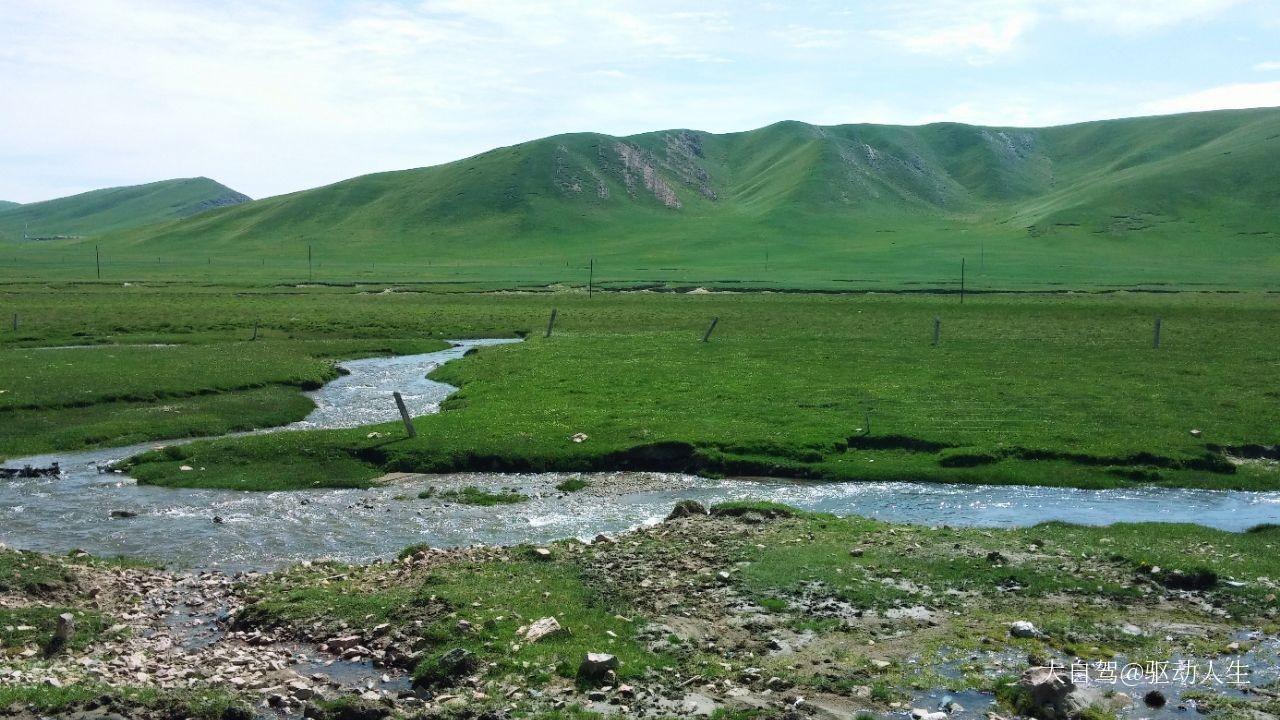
pixel 265 530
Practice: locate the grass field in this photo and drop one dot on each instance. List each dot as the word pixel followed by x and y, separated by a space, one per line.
pixel 165 383
pixel 1038 389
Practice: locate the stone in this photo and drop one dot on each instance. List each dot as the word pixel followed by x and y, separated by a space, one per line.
pixel 687 508
pixel 542 553
pixel 597 666
pixel 1047 687
pixel 1023 629
pixel 539 629
pixel 1154 699
pixel 447 669
pixel 301 690
pixel 123 514
pixel 342 644
pixel 857 552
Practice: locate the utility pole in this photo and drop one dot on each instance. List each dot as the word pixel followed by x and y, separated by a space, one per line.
pixel 97 261
pixel 961 281
pixel 591 277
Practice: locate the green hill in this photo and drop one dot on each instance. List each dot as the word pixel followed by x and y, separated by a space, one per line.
pixel 6 204
pixel 1185 201
pixel 100 211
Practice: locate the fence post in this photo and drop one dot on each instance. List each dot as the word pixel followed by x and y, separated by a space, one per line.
pixel 1155 340
pixel 255 332
pixel 15 322
pixel 551 323
pixel 707 337
pixel 937 331
pixel 404 415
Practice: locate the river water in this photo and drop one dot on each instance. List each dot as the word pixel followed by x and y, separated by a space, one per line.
pixel 266 530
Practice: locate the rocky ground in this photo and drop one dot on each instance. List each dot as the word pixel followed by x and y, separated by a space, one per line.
pixel 749 611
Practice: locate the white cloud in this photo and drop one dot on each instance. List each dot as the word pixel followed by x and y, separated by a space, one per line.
pixel 1269 66
pixel 1134 16
pixel 1239 95
pixel 976 31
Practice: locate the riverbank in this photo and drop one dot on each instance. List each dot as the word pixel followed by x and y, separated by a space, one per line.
pixel 756 609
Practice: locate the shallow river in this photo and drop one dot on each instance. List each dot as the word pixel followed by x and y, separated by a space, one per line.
pixel 264 530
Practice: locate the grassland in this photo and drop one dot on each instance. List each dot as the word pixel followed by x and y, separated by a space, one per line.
pixel 140 389
pixel 1180 201
pixel 1039 389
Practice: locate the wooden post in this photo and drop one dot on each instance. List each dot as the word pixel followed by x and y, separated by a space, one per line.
pixel 255 332
pixel 551 323
pixel 1155 341
pixel 97 261
pixel 961 281
pixel 309 274
pixel 591 277
pixel 707 337
pixel 404 415
pixel 15 322
pixel 937 331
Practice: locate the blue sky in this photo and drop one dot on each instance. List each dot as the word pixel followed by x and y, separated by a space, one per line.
pixel 272 96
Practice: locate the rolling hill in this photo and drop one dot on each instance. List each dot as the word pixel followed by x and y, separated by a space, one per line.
pixel 1185 200
pixel 97 212
pixel 6 204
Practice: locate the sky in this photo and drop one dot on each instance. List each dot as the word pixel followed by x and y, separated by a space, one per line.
pixel 275 96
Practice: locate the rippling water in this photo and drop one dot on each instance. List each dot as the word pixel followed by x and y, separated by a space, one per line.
pixel 263 530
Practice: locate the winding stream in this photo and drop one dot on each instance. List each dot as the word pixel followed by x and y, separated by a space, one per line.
pixel 266 530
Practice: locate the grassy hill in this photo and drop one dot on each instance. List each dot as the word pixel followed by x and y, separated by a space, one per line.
pixel 98 212
pixel 6 204
pixel 1181 201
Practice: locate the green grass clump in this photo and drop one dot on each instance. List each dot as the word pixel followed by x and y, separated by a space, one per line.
pixel 573 484
pixel 20 627
pixel 33 574
pixel 197 704
pixel 472 495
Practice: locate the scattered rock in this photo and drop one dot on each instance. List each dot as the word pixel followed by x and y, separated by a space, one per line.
pixel 1154 699
pixel 123 514
pixel 539 629
pixel 446 669
pixel 687 508
pixel 1024 629
pixel 596 667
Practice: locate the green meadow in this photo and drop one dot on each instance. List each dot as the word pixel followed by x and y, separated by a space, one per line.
pixel 1057 389
pixel 1179 201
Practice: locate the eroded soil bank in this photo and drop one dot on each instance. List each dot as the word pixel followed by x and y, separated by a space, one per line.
pixel 754 609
